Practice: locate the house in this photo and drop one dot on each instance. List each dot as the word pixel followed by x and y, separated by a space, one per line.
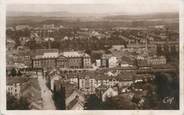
pixel 87 84
pixel 157 60
pixel 22 27
pixel 109 61
pixel 117 48
pixel 125 79
pixel 86 61
pixel 72 97
pixel 76 105
pixel 98 63
pixel 27 88
pixel 113 62
pixel 32 92
pixel 75 101
pixel 23 40
pixel 143 78
pixel 14 85
pixel 110 92
pixel 10 44
pixel 104 62
pixel 52 80
pixel 142 62
pixel 74 80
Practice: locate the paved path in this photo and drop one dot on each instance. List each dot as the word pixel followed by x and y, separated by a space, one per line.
pixel 48 103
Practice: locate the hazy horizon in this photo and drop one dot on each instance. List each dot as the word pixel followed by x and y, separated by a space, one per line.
pixel 129 8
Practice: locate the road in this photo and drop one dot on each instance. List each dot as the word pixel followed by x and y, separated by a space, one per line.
pixel 48 103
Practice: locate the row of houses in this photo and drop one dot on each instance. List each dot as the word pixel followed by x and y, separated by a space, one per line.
pixel 87 82
pixel 27 88
pixel 75 99
pixel 79 86
pixel 112 61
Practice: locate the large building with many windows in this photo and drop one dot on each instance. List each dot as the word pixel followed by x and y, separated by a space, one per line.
pixel 77 59
pixel 47 60
pixel 72 59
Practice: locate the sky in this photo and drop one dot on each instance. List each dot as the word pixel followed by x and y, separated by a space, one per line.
pixel 94 6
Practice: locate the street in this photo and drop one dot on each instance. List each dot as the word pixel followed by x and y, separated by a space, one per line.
pixel 48 103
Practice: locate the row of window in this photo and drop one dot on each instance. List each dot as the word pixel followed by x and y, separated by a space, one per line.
pixel 46 62
pixel 11 89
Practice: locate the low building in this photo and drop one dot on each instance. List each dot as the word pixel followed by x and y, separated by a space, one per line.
pixel 113 62
pixel 32 92
pixel 10 44
pixel 142 62
pixel 109 61
pixel 54 78
pixel 104 62
pixel 117 47
pixel 110 92
pixel 98 63
pixel 14 85
pixel 136 46
pixel 87 85
pixel 104 92
pixel 86 61
pixel 22 27
pixel 27 88
pixel 157 60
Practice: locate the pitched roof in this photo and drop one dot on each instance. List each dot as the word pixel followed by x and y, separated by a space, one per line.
pixel 69 89
pixel 13 80
pixel 72 103
pixel 74 54
pixel 31 90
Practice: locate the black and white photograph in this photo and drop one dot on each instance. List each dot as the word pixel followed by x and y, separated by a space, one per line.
pixel 93 56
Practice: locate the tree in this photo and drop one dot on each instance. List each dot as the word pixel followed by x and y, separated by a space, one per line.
pixel 59 98
pixel 13 72
pixel 167 85
pixel 17 104
pixel 19 73
pixel 93 103
pixel 119 103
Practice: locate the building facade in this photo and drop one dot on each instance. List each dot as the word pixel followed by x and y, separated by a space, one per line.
pixel 72 60
pixel 44 62
pixel 14 89
pixel 157 60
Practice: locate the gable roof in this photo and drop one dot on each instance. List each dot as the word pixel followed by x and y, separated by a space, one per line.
pixel 13 80
pixel 72 103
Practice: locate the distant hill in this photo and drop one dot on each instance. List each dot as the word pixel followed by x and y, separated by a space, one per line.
pixel 52 14
pixel 14 18
pixel 144 16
